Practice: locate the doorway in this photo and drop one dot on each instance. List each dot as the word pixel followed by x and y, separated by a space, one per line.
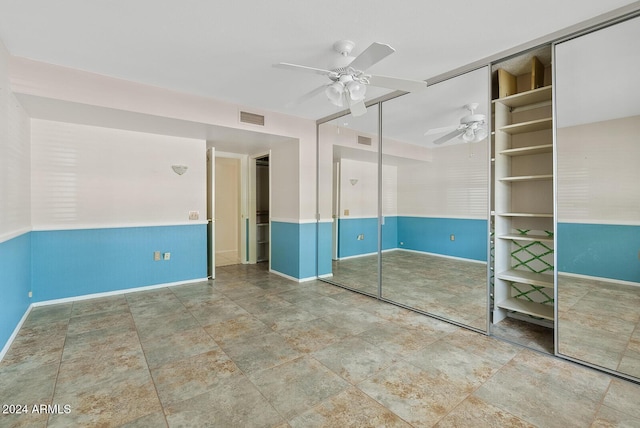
pixel 262 209
pixel 228 211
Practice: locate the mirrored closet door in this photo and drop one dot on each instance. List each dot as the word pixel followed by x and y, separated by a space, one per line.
pixel 598 198
pixel 435 180
pixel 350 145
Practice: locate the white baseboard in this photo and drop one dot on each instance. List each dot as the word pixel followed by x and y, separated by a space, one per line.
pixel 311 278
pixel 115 292
pixel 15 332
pixel 87 297
pixel 483 262
pixel 598 278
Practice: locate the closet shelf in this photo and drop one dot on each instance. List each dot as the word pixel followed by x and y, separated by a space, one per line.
pixel 526 277
pixel 525 98
pixel 532 238
pixel 528 308
pixel 528 178
pixel 530 126
pixel 530 150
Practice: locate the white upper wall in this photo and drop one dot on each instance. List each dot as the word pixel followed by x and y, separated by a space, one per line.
pixel 15 208
pixel 597 76
pixel 59 83
pixel 360 197
pixel 454 185
pixel 86 176
pixel 598 172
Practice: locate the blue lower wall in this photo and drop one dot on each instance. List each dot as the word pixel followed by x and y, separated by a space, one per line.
pixel 601 250
pixel 432 235
pixel 424 234
pixel 15 283
pixel 294 249
pixel 325 248
pixel 69 263
pixel 285 248
pixel 350 228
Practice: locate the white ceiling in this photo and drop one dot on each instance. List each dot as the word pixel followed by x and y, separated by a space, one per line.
pixel 225 49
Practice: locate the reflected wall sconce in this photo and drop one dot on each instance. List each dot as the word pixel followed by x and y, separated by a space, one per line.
pixel 179 169
pixel 353 181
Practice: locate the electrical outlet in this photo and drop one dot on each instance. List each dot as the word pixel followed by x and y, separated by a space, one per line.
pixel 156 256
pixel 30 294
pixel 346 212
pixel 167 256
pixel 361 237
pixel 194 215
pixel 452 237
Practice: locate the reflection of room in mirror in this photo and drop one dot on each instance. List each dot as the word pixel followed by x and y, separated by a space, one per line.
pixel 433 200
pixel 600 323
pixel 598 199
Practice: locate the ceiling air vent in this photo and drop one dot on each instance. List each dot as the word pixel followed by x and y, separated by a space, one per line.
pixel 252 118
pixel 365 141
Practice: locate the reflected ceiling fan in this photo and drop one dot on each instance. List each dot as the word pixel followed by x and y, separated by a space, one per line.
pixel 472 128
pixel 348 81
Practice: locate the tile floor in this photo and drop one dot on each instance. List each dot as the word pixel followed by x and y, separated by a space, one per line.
pixel 253 349
pixel 449 288
pixel 600 322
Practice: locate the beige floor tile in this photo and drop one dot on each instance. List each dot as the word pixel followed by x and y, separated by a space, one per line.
pixel 417 396
pixel 474 412
pixel 254 349
pixel 350 408
pixel 177 346
pixel 185 378
pixel 610 418
pixel 235 402
pixel 354 359
pixel 623 397
pixel 297 385
pixel 252 354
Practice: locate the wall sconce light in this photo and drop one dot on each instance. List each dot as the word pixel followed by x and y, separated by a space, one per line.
pixel 179 169
pixel 353 181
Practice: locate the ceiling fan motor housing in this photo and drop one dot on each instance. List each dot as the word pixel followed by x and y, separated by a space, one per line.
pixel 471 118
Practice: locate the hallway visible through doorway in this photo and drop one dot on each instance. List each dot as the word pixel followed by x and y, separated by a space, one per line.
pixel 228 211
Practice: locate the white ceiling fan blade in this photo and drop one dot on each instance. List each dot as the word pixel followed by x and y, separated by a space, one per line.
pixel 307 96
pixel 398 84
pixel 357 107
pixel 450 136
pixel 303 68
pixel 374 53
pixel 434 131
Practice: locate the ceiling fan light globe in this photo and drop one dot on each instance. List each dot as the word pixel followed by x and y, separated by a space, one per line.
pixel 469 135
pixel 356 90
pixel 334 93
pixel 481 134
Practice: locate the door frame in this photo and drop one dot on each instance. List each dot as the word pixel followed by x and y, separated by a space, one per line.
pixel 252 227
pixel 211 210
pixel 243 187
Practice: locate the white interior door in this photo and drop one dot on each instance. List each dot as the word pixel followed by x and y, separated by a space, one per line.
pixel 211 212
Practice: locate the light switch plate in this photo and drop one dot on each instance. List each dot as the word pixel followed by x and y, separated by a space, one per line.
pixel 167 256
pixel 156 255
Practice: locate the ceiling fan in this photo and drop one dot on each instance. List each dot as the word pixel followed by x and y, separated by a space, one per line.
pixel 472 128
pixel 348 80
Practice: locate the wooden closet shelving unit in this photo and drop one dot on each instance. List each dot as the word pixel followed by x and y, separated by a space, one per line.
pixel 523 192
